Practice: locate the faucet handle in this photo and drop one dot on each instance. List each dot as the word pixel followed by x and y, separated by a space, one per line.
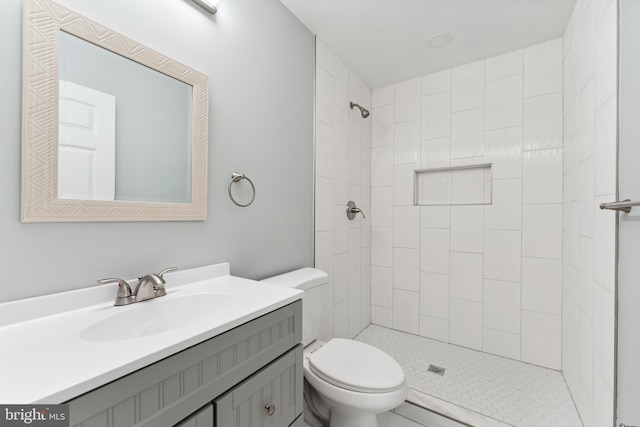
pixel 166 270
pixel 159 287
pixel 124 295
pixel 352 210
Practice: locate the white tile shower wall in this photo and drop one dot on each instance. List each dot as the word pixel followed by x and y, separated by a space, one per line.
pixel 470 275
pixel 343 172
pixel 590 170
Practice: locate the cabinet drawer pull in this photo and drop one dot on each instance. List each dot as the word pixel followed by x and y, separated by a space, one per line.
pixel 271 409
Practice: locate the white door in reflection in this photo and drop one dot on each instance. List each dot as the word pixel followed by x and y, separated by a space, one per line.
pixel 86 143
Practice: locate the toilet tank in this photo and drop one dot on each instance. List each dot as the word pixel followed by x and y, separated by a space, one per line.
pixel 311 281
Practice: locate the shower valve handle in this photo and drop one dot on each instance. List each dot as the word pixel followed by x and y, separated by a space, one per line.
pixel 352 210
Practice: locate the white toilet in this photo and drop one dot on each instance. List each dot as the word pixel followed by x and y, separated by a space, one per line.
pixel 347 382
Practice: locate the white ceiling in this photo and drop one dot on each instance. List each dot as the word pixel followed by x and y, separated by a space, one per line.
pixel 385 41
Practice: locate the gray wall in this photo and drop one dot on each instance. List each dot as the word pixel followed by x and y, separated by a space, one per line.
pixel 260 63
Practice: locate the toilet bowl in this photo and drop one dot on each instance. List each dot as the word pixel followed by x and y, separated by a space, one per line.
pixel 354 381
pixel 347 383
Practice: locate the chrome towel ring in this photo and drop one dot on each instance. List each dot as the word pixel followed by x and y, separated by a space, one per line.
pixel 235 177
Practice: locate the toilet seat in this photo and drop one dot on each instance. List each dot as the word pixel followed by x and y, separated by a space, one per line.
pixel 356 366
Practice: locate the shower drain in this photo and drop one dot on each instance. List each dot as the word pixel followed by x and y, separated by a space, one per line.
pixel 436 370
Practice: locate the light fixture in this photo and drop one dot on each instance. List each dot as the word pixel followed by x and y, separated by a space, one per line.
pixel 208 5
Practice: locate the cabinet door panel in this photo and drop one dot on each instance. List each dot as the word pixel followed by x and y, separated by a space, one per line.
pixel 279 384
pixel 201 418
pixel 299 422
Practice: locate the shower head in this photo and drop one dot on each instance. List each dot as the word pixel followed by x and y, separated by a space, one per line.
pixel 363 111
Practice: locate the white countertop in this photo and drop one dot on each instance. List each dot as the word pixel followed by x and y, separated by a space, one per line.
pixel 45 359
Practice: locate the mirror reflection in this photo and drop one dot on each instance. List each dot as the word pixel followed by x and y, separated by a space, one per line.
pixel 124 129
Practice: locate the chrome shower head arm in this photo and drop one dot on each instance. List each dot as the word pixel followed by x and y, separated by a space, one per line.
pixel 363 111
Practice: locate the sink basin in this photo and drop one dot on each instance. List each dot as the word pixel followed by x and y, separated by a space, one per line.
pixel 156 316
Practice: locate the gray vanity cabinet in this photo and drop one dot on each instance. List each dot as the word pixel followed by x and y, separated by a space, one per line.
pixel 225 381
pixel 202 418
pixel 267 399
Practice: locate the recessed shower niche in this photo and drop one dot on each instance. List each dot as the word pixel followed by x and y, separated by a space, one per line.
pixel 456 185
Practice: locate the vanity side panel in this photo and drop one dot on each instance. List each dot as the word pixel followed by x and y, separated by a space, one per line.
pixel 296 321
pixel 298 380
pixel 166 392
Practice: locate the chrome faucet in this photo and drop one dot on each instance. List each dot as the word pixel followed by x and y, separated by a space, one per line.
pixel 149 286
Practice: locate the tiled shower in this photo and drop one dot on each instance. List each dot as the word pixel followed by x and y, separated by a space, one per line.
pixel 342 173
pixel 487 277
pixel 530 276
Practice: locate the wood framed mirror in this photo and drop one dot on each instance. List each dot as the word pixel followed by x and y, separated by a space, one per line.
pixel 111 129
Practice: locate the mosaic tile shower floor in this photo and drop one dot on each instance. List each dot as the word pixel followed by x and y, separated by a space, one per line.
pixel 489 390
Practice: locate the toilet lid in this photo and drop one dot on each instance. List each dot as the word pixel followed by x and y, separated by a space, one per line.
pixel 356 366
